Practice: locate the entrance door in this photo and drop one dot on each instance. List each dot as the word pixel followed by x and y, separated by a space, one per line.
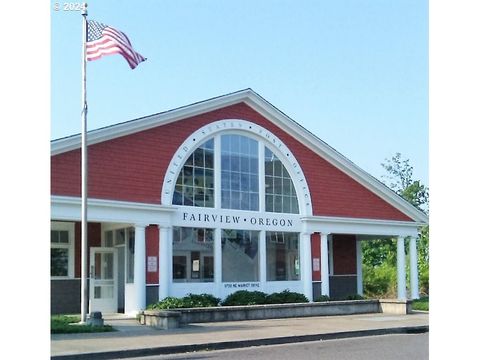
pixel 103 287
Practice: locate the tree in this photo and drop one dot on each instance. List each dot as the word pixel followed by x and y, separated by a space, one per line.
pixel 399 173
pixel 379 256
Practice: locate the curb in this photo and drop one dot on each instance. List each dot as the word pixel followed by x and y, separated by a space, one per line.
pixel 177 349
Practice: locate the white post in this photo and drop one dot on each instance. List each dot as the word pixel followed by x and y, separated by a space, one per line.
pixel 217 259
pixel 139 268
pixel 306 265
pixel 413 268
pixel 84 237
pixel 359 268
pixel 164 256
pixel 324 264
pixel 262 252
pixel 401 285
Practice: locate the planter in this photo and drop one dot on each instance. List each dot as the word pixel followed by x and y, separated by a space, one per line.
pixel 169 319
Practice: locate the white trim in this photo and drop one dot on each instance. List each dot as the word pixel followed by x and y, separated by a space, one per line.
pixel 358 226
pixel 99 210
pixel 339 275
pixel 266 109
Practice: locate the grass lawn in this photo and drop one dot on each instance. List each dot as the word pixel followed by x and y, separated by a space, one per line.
pixel 67 324
pixel 420 304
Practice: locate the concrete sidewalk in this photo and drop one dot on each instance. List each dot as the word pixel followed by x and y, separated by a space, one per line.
pixel 132 339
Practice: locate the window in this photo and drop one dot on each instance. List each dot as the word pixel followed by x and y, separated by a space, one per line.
pixel 239 172
pixel 283 258
pixel 195 183
pixel 193 254
pixel 280 195
pixel 240 259
pixel 62 250
pixel 240 177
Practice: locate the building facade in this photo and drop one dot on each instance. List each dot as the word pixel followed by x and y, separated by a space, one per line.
pixel 215 197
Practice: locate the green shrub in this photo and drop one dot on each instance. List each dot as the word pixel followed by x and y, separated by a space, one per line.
pixel 189 301
pixel 244 297
pixel 380 281
pixel 421 304
pixel 64 324
pixel 322 298
pixel 285 297
pixel 169 302
pixel 202 300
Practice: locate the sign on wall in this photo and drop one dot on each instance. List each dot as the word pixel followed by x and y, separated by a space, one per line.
pixel 152 264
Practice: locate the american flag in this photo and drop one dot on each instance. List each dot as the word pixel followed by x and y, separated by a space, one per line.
pixel 104 40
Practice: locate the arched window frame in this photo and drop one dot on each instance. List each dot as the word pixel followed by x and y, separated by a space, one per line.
pixel 244 128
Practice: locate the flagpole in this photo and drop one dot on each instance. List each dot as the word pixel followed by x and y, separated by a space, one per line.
pixel 84 285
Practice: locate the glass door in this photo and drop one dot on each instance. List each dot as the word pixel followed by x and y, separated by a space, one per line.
pixel 103 284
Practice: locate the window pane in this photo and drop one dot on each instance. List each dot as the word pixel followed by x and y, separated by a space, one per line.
pixel 63 237
pixel 239 159
pixel 278 182
pixel 59 236
pixel 283 257
pixel 192 254
pixel 240 259
pixel 58 262
pixel 108 238
pixel 195 178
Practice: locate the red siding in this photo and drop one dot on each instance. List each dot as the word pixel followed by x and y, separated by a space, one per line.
pixel 94 239
pixel 315 242
pixel 151 235
pixel 344 255
pixel 131 168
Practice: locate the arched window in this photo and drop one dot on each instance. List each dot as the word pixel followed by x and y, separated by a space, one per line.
pixel 243 181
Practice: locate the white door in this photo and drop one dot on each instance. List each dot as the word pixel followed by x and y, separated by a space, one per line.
pixel 103 284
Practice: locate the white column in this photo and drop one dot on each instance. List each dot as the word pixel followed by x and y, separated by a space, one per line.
pixel 262 251
pixel 413 268
pixel 330 255
pixel 324 264
pixel 217 259
pixel 401 286
pixel 139 268
pixel 164 257
pixel 306 265
pixel 359 268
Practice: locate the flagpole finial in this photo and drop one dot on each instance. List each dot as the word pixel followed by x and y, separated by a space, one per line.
pixel 84 9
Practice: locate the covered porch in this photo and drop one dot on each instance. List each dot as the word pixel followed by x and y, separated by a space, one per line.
pixel 328 233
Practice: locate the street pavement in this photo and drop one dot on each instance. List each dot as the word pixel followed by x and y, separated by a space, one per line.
pixel 382 347
pixel 134 340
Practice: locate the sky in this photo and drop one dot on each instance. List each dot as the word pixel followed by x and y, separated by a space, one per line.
pixel 354 73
